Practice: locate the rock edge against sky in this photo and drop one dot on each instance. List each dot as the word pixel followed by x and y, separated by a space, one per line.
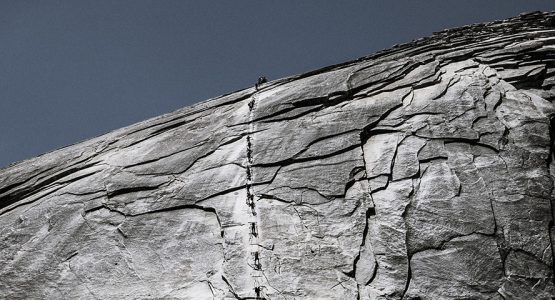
pixel 420 172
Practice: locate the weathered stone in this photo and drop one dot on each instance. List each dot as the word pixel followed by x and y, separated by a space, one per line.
pixel 420 172
pixel 466 267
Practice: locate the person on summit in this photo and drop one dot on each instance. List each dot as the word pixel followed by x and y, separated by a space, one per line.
pixel 261 80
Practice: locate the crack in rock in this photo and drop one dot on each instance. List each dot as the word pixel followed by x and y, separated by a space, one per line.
pixel 424 171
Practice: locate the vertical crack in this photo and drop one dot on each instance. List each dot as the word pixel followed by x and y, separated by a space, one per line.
pixel 370 211
pixel 253 246
pixel 549 164
pixel 409 278
pixel 407 234
pixel 250 130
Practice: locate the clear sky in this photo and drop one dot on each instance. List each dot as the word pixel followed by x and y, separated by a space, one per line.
pixel 71 70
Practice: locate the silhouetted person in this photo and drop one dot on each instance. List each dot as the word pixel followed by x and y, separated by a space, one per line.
pixel 261 80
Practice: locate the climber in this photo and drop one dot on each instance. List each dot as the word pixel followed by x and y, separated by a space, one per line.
pixel 258 292
pixel 261 80
pixel 250 200
pixel 253 229
pixel 257 265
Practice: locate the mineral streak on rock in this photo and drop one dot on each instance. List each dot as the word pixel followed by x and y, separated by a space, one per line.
pixel 421 172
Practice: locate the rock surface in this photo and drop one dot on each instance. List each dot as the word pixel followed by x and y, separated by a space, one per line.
pixel 420 172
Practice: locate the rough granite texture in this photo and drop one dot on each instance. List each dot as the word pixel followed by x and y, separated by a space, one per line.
pixel 421 172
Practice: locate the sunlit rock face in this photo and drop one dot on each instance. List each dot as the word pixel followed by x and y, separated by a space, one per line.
pixel 421 172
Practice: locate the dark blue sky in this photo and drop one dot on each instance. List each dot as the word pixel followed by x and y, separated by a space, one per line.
pixel 72 70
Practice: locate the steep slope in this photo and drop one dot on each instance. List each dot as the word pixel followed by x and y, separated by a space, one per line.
pixel 421 172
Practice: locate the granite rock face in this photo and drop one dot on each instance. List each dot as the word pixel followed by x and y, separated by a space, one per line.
pixel 420 172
